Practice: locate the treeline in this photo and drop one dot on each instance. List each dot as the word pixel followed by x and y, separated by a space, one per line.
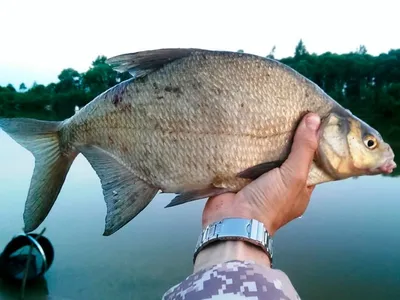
pixel 57 101
pixel 368 85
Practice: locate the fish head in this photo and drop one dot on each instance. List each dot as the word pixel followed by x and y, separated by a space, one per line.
pixel 350 147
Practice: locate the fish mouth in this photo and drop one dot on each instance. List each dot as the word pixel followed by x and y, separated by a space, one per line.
pixel 388 166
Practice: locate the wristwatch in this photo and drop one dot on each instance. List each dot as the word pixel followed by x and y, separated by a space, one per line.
pixel 249 230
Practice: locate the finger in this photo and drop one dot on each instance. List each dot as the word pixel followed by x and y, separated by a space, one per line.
pixel 305 144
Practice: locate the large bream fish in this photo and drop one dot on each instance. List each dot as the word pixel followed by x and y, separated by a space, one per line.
pixel 193 122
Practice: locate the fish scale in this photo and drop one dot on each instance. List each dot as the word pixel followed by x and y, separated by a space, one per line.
pixel 193 122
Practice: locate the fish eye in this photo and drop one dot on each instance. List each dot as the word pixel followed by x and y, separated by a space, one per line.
pixel 371 142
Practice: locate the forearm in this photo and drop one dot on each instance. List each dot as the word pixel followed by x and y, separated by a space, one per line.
pixel 233 269
pixel 223 251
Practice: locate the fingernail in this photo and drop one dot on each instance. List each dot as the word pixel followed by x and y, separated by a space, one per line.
pixel 313 122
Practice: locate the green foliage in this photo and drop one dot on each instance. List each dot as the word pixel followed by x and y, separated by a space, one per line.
pixel 70 80
pixel 22 87
pixel 10 88
pixel 58 100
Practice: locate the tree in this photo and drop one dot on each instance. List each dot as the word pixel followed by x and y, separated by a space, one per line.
pixel 10 88
pixel 362 50
pixel 300 49
pixel 272 53
pixel 22 87
pixel 70 79
pixel 100 76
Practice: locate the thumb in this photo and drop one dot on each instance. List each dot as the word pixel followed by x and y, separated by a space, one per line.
pixel 305 144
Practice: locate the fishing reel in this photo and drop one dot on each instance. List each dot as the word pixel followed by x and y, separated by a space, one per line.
pixel 26 257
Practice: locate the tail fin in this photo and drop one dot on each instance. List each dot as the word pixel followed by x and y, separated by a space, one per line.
pixel 41 138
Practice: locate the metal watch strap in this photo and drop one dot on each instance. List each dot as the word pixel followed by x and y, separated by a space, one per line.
pixel 249 230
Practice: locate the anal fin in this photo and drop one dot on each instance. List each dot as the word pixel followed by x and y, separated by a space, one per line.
pixel 125 194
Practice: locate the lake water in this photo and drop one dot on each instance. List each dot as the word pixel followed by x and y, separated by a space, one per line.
pixel 347 245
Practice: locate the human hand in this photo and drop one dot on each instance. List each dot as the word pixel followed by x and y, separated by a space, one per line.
pixel 278 196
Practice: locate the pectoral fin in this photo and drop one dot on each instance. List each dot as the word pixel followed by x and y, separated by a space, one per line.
pixel 258 170
pixel 125 194
pixel 196 195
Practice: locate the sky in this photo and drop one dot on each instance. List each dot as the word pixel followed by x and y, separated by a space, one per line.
pixel 40 38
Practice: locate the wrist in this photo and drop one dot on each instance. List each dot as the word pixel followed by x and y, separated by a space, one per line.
pixel 223 251
pixel 222 207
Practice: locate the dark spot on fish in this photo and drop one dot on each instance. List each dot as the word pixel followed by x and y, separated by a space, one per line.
pixel 196 85
pixel 170 89
pixel 160 97
pixel 241 104
pixel 155 85
pixel 116 93
pixel 143 79
pixel 217 91
pixel 126 107
pixel 307 94
pixel 146 171
pixel 259 64
pixel 137 90
pixel 110 140
pixel 116 99
pixel 158 164
pixel 124 149
pixel 157 126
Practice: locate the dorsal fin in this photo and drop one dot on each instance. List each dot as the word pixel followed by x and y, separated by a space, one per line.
pixel 141 63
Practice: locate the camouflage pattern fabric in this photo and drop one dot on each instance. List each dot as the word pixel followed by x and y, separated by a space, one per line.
pixel 234 280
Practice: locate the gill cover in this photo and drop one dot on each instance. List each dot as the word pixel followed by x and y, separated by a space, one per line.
pixel 333 151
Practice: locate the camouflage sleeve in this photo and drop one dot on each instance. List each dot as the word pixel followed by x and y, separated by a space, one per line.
pixel 234 280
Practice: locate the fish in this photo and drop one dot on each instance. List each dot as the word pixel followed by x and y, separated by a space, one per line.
pixel 196 123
